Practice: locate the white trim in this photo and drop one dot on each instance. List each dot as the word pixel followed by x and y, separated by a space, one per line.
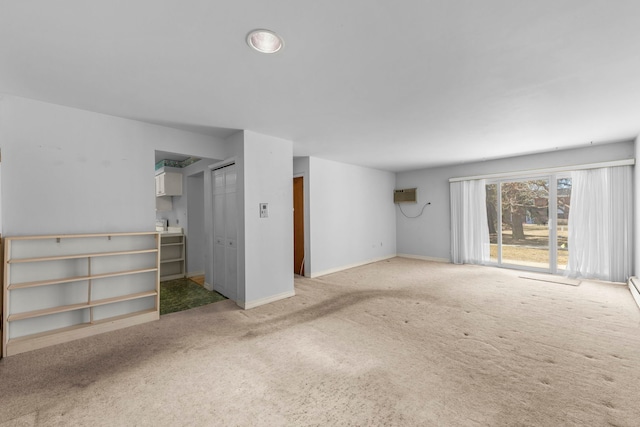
pixel 547 171
pixel 262 301
pixel 346 267
pixel 633 287
pixel 208 286
pixel 425 258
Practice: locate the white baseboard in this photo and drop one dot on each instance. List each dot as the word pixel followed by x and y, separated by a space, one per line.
pixel 425 258
pixel 262 301
pixel 346 267
pixel 634 285
pixel 208 286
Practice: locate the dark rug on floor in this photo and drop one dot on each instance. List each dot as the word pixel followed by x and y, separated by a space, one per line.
pixel 183 294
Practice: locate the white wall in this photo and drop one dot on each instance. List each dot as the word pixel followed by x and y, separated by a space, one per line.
pixel 72 171
pixel 351 216
pixel 195 224
pixel 636 219
pixel 429 235
pixel 268 244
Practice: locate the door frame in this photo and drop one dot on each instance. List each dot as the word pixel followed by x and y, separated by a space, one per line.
pixel 552 219
pixel 209 233
pixel 306 220
pixel 298 268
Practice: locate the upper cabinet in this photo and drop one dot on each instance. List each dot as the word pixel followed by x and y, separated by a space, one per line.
pixel 169 184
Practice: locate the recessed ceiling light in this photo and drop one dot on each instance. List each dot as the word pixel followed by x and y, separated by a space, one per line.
pixel 264 41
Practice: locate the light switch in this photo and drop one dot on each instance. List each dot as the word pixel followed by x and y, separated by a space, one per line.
pixel 264 210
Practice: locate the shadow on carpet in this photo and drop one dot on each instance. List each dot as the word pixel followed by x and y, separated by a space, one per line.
pixel 183 294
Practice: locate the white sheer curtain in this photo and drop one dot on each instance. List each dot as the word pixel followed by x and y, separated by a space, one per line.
pixel 469 227
pixel 601 224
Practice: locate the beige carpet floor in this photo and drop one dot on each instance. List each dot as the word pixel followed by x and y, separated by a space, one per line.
pixel 398 343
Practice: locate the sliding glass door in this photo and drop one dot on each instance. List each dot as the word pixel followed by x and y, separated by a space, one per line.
pixel 528 222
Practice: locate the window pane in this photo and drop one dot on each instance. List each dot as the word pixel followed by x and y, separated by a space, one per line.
pixel 492 219
pixel 564 204
pixel 525 223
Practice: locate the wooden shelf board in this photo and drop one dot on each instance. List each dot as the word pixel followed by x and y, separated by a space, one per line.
pixel 122 273
pixel 47 282
pixel 171 244
pixel 46 311
pixel 77 278
pixel 172 277
pixel 127 297
pixel 81 306
pixel 70 333
pixel 79 236
pixel 80 256
pixel 48 333
pixel 162 261
pixel 126 316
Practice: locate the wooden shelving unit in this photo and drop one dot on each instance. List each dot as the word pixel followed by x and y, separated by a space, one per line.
pixel 63 287
pixel 172 256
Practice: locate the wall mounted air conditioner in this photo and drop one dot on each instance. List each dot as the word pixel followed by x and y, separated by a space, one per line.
pixel 408 195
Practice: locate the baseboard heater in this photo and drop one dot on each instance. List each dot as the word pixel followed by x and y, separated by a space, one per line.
pixel 634 287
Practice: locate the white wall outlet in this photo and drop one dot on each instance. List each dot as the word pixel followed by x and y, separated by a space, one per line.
pixel 264 210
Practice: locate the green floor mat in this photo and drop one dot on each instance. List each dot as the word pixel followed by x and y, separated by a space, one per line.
pixel 183 294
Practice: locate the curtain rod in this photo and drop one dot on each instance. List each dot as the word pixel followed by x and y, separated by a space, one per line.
pixel 624 162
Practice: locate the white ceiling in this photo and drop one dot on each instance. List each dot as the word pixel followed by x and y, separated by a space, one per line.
pixel 390 85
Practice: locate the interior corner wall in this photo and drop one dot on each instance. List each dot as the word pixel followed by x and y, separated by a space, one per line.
pixel 268 242
pixel 351 213
pixel 428 236
pixel 636 213
pixel 69 171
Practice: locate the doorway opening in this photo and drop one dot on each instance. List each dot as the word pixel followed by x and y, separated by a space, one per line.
pixel 298 226
pixel 180 219
pixel 528 221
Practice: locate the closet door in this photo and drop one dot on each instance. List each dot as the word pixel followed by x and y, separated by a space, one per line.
pixel 218 230
pixel 231 233
pixel 225 231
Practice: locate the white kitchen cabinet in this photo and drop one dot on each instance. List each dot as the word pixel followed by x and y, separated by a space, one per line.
pixel 169 184
pixel 63 287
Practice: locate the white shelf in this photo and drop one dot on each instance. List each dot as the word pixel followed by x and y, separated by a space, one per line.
pixel 78 256
pixel 78 278
pixel 77 331
pixel 39 270
pixel 172 256
pixel 64 308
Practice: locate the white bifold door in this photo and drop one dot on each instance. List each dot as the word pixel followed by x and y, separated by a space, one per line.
pixel 225 231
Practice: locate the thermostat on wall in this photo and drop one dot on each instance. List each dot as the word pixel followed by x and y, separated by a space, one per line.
pixel 264 210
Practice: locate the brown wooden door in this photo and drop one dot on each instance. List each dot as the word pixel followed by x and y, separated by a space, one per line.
pixel 298 226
